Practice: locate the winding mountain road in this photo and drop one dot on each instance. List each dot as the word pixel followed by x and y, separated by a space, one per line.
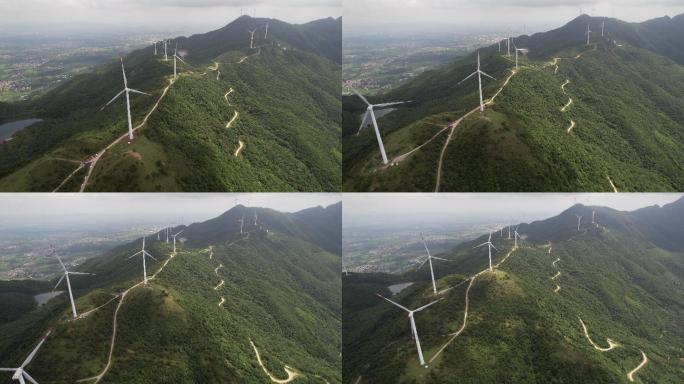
pixel 219 285
pixel 235 116
pixel 572 125
pixel 611 343
pixel 631 373
pixel 239 149
pixel 611 184
pixel 291 373
pixel 565 108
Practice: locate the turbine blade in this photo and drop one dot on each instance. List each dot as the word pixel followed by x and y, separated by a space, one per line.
pixel 439 258
pixel 361 96
pixel 363 122
pixel 495 247
pixel 488 75
pixel 114 98
pixel 177 57
pixel 33 353
pixel 60 261
pixel 31 379
pixel 398 305
pixel 80 273
pixel 136 91
pixel 390 104
pixel 8 369
pixel 471 75
pixel 179 232
pixel 425 306
pixel 149 255
pixel 423 263
pixel 478 246
pixel 135 254
pixel 60 280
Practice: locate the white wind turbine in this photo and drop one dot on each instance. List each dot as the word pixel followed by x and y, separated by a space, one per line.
pixel 508 45
pixel 479 80
pixel 242 223
pixel 155 48
pixel 266 34
pixel 126 90
pixel 251 38
pixel 588 33
pixel 509 230
pixel 20 373
pixel 429 261
pixel 370 112
pixel 603 27
pixel 144 253
pixel 167 235
pixel 255 218
pixel 593 217
pixel 579 221
pixel 489 247
pixel 166 57
pixel 414 331
pixel 517 236
pixel 521 50
pixel 66 275
pixel 174 241
pixel 175 56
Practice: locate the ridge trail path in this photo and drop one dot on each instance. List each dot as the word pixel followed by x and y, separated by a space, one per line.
pixel 69 177
pixel 122 296
pixel 465 313
pixel 567 105
pixel 572 125
pixel 219 285
pixel 567 81
pixel 631 373
pixel 239 149
pixel 455 124
pixel 291 373
pixel 611 343
pixel 235 116
pixel 231 90
pixel 223 300
pixel 217 268
pixel 99 155
pixel 556 275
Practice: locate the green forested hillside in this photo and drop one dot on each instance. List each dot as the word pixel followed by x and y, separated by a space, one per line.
pixel 279 99
pixel 523 322
pixel 199 315
pixel 625 124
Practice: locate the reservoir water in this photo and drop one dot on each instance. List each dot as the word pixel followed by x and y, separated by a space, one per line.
pixel 8 129
pixel 396 288
pixel 45 297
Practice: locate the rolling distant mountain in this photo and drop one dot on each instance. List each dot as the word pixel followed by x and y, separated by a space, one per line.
pixel 270 121
pixel 617 274
pixel 273 287
pixel 624 128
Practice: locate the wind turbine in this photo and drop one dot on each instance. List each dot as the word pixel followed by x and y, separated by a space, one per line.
pixel 516 236
pixel 508 42
pixel 20 373
pixel 588 34
pixel 167 235
pixel 489 246
pixel 593 217
pixel 414 331
pixel 429 261
pixel 144 253
pixel 579 220
pixel 603 27
pixel 479 80
pixel 266 34
pixel 174 241
pixel 242 223
pixel 155 48
pixel 166 57
pixel 66 275
pixel 175 56
pixel 255 218
pixel 126 90
pixel 509 230
pixel 251 38
pixel 371 112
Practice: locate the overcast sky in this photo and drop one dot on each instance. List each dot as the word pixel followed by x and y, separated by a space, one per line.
pixel 191 15
pixel 498 208
pixel 537 15
pixel 157 207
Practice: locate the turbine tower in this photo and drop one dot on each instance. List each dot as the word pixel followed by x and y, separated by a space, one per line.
pixel 429 261
pixel 66 275
pixel 126 90
pixel 489 247
pixel 144 253
pixel 251 38
pixel 20 373
pixel 603 27
pixel 242 223
pixel 155 48
pixel 479 80
pixel 516 236
pixel 174 241
pixel 166 57
pixel 588 34
pixel 167 235
pixel 579 220
pixel 255 218
pixel 508 45
pixel 414 330
pixel 370 112
pixel 175 56
pixel 266 34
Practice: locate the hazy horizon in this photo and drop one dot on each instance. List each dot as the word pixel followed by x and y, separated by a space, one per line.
pixel 151 16
pixel 406 209
pixel 372 17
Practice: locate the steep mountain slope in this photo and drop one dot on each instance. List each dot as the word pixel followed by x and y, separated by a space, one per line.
pixel 236 118
pixel 571 118
pixel 525 321
pixel 205 314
